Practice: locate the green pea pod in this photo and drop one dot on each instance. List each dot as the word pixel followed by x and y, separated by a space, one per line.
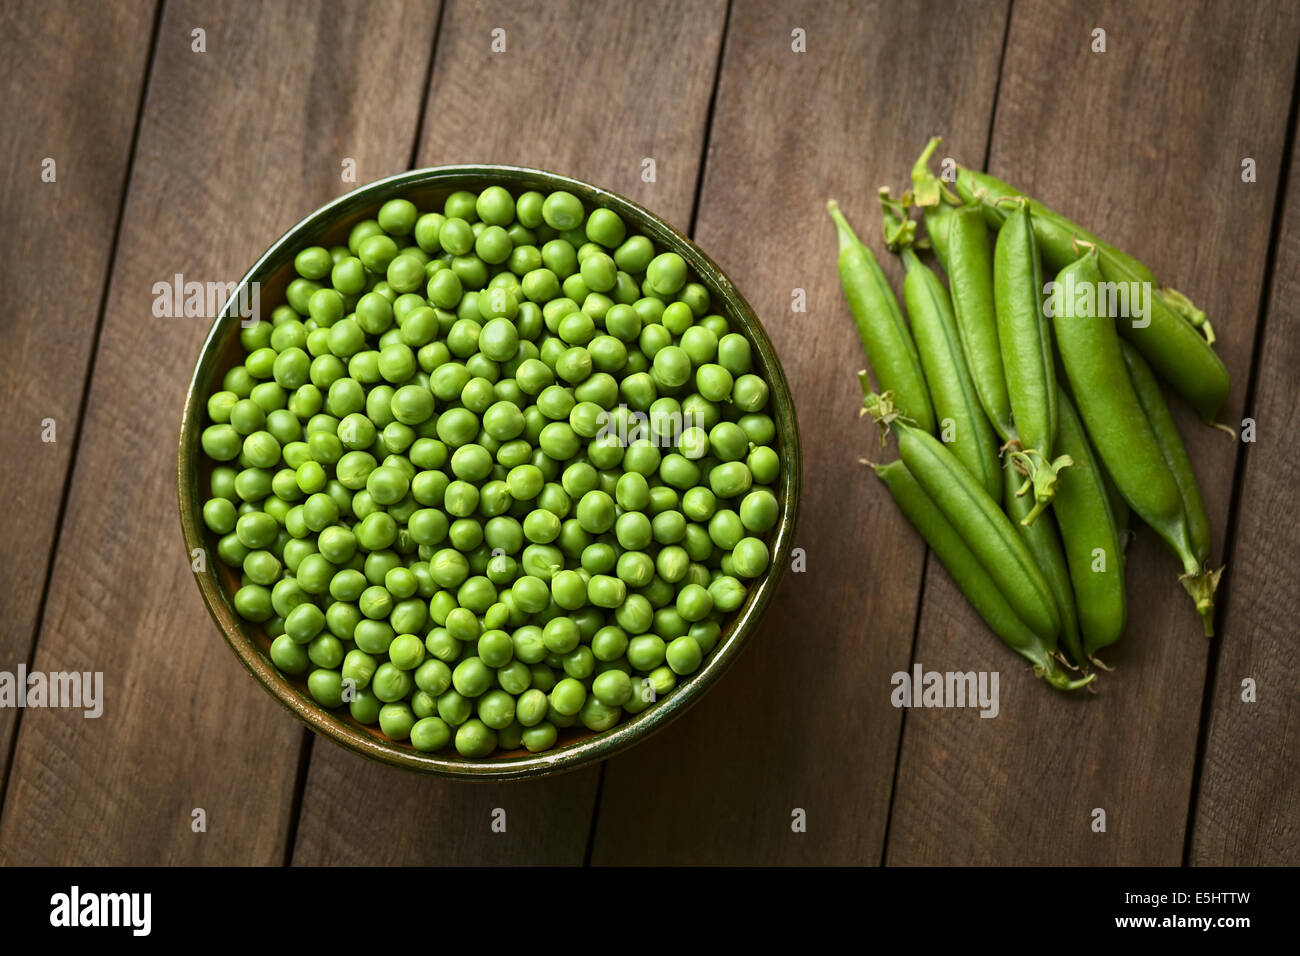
pixel 970 576
pixel 1092 538
pixel 1118 506
pixel 977 518
pixel 1171 445
pixel 1025 342
pixel 961 420
pixel 1167 336
pixel 1044 543
pixel 1114 418
pixel 888 344
pixel 937 219
pixel 970 278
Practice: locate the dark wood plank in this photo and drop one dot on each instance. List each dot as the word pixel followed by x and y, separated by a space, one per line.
pixel 581 89
pixel 1143 144
pixel 1248 807
pixel 236 144
pixel 55 69
pixel 803 720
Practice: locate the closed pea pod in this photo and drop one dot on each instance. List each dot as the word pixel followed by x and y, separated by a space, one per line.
pixel 1091 537
pixel 888 344
pixel 1115 421
pixel 938 229
pixel 978 519
pixel 1044 543
pixel 962 423
pixel 970 575
pixel 970 278
pixel 1025 341
pixel 1162 424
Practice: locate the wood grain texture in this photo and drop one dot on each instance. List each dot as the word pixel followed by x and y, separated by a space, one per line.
pixel 1145 139
pixel 582 89
pixel 1248 811
pixel 236 145
pixel 62 234
pixel 803 720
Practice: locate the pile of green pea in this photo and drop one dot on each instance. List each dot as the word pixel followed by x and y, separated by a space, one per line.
pixel 492 472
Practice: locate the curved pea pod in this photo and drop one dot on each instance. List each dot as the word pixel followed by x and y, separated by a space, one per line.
pixel 970 280
pixel 1044 543
pixel 1025 343
pixel 888 344
pixel 1171 445
pixel 962 423
pixel 1115 421
pixel 977 518
pixel 1091 538
pixel 970 576
pixel 1174 336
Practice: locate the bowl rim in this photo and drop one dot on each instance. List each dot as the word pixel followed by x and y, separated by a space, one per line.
pixel 566 757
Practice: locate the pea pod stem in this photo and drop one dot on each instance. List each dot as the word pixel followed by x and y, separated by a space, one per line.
pixel 1041 476
pixel 936 201
pixel 927 189
pixel 1188 310
pixel 977 517
pixel 971 577
pixel 962 423
pixel 890 349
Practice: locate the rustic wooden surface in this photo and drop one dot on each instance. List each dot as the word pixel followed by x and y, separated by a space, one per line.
pixel 207 157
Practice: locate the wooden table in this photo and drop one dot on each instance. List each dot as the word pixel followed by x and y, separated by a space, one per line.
pixel 173 161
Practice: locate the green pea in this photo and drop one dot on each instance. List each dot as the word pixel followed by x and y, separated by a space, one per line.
pixel 568 696
pixel 605 227
pixel 430 734
pixel 750 557
pixel 666 274
pixel 562 210
pixel 540 737
pixel 646 651
pixel 288 655
pixel 475 739
pixel 325 687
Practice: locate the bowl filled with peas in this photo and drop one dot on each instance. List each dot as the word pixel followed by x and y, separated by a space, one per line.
pixel 497 482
